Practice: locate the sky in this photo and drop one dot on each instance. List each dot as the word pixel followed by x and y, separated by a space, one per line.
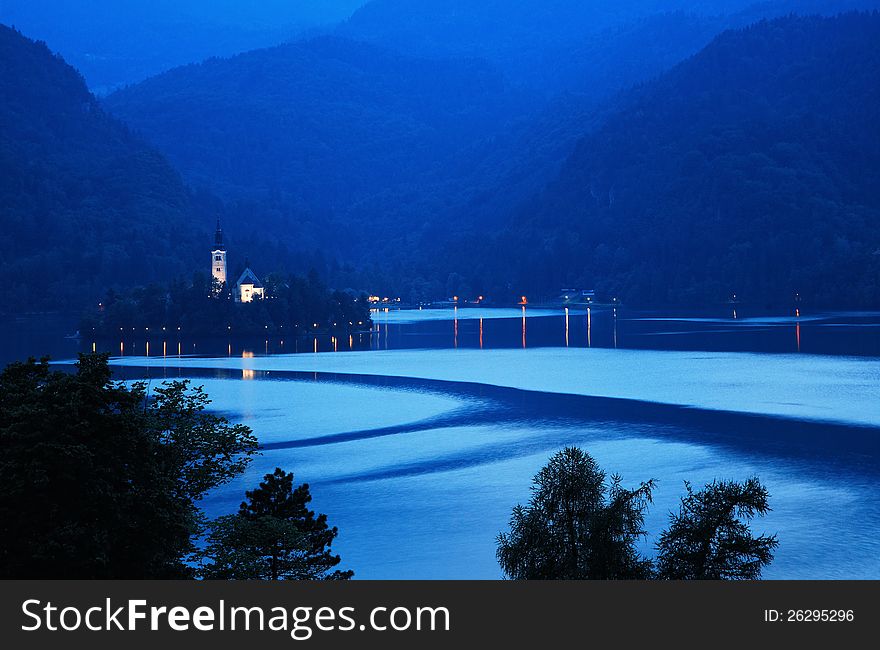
pixel 118 42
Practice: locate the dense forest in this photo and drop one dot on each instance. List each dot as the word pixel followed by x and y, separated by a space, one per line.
pixel 627 148
pixel 85 203
pixel 88 206
pixel 753 168
pixel 325 122
pixel 199 307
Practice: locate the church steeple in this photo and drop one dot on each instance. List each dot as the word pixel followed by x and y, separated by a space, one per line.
pixel 218 256
pixel 218 236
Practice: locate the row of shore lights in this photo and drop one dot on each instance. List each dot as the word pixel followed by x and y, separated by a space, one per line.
pixel 229 327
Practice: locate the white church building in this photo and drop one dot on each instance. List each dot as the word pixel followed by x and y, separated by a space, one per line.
pixel 248 287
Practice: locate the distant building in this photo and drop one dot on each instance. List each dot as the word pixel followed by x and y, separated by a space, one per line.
pixel 577 296
pixel 249 288
pixel 218 257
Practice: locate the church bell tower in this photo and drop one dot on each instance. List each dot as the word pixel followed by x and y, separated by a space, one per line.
pixel 218 256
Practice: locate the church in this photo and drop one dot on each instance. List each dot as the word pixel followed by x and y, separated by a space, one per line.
pixel 248 287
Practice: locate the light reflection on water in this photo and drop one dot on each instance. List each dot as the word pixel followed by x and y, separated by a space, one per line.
pixel 833 334
pixel 426 499
pixel 420 488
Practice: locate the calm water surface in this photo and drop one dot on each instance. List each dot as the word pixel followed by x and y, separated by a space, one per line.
pixel 420 475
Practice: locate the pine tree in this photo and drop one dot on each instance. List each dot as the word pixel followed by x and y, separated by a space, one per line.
pixel 710 538
pixel 274 536
pixel 577 526
pixel 97 480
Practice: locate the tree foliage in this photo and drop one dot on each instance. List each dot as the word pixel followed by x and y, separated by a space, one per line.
pixel 576 526
pixel 274 536
pixel 293 304
pixel 86 204
pixel 580 526
pixel 98 480
pixel 710 539
pixel 750 168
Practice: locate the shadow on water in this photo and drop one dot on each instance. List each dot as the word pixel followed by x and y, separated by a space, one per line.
pixel 561 419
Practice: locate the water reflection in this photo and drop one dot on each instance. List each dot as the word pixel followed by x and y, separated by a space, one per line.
pixel 589 328
pixel 614 320
pixel 566 327
pixel 524 428
pixel 248 374
pixel 529 327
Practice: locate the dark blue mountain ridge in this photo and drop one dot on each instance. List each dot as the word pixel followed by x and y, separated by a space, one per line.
pixel 327 122
pixel 85 204
pixel 751 168
pixel 539 43
pixel 400 148
pixel 410 167
pixel 115 43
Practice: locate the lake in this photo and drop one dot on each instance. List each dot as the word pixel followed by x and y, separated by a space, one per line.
pixel 419 438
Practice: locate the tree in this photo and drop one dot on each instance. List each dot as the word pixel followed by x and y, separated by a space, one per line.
pixel 577 526
pixel 202 450
pixel 274 536
pixel 710 538
pixel 97 480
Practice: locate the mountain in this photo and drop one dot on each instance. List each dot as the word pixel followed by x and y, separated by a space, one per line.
pixel 752 168
pixel 86 205
pixel 500 172
pixel 407 161
pixel 116 43
pixel 536 43
pixel 332 125
pixel 414 126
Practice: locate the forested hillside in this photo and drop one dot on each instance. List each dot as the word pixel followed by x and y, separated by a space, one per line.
pixel 548 45
pixel 752 168
pixel 394 153
pixel 328 124
pixel 497 174
pixel 535 42
pixel 114 43
pixel 85 204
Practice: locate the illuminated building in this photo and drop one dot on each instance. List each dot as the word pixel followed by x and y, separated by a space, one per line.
pixel 248 288
pixel 218 257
